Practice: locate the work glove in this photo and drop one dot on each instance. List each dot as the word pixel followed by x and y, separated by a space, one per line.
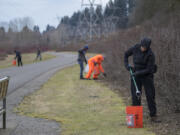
pixel 135 74
pixel 104 74
pixel 128 67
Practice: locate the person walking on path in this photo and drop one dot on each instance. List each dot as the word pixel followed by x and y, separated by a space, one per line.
pixel 82 59
pixel 38 55
pixel 144 68
pixel 18 57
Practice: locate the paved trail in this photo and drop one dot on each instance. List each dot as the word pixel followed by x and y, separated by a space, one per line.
pixel 25 80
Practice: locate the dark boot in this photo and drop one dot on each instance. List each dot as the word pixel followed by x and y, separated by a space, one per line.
pixel 155 119
pixel 81 77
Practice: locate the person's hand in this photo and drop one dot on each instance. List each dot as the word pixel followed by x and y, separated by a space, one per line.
pixel 86 62
pixel 104 74
pixel 128 67
pixel 135 74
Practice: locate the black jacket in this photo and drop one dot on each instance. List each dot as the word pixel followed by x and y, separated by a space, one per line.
pixel 144 62
pixel 81 56
pixel 18 55
pixel 38 52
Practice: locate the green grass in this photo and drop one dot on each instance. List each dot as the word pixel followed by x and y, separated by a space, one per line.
pixel 26 58
pixel 83 107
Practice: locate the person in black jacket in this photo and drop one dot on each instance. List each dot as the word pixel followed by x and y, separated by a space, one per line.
pixel 38 55
pixel 144 68
pixel 19 58
pixel 82 59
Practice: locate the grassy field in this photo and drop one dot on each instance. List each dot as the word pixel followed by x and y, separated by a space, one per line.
pixel 26 58
pixel 83 107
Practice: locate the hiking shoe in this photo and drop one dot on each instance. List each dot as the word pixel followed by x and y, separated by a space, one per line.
pixel 155 119
pixel 82 78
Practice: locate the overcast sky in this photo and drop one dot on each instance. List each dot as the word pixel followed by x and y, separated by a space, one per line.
pixel 43 12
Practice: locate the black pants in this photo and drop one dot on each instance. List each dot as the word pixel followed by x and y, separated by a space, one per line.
pixel 19 62
pixel 148 83
pixel 38 56
pixel 81 64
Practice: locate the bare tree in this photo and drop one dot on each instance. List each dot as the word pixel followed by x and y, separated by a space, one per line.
pixel 18 24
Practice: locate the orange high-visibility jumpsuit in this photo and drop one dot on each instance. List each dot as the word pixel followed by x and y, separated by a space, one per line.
pixel 95 65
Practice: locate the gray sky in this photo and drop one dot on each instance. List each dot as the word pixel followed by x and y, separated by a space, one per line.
pixel 43 12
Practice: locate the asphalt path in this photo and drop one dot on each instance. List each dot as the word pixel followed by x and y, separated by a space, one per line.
pixel 19 76
pixel 24 81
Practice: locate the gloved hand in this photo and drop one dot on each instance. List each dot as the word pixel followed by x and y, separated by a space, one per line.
pixel 128 67
pixel 135 74
pixel 104 74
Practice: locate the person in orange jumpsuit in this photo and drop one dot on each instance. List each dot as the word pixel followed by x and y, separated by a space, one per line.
pixel 95 65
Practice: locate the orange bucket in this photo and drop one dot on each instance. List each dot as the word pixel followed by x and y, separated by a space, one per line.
pixel 14 62
pixel 134 116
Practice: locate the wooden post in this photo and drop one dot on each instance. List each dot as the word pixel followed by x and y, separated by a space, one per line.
pixel 4 113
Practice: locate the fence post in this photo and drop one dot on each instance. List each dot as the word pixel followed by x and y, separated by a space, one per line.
pixel 4 114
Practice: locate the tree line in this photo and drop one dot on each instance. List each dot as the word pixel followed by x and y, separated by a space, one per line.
pixel 114 16
pixel 22 33
pixel 114 8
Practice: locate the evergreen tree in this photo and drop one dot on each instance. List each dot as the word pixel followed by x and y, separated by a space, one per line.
pixel 2 33
pixel 131 5
pixel 109 9
pixel 121 11
pixel 49 28
pixel 99 15
pixel 75 18
pixel 65 20
pixel 36 29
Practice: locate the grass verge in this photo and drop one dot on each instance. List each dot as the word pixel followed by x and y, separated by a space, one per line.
pixel 26 59
pixel 83 107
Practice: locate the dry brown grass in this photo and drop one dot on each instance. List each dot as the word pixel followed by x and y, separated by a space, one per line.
pixel 84 107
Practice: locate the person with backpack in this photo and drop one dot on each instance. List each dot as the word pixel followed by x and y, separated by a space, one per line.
pixel 143 70
pixel 82 59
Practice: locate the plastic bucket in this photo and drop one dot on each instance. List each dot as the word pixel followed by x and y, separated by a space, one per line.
pixel 134 116
pixel 14 62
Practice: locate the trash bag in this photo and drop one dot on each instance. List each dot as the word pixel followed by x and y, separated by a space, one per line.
pixel 14 62
pixel 86 70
